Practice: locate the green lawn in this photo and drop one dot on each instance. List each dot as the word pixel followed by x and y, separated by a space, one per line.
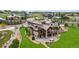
pixel 5 37
pixel 25 42
pixel 68 39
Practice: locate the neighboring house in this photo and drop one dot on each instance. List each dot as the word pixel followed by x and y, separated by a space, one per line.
pixel 48 15
pixel 13 16
pixel 14 19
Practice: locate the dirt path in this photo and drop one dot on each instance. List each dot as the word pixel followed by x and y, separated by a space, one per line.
pixel 18 36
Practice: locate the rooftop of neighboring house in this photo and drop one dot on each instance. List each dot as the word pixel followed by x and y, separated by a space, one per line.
pixel 1 19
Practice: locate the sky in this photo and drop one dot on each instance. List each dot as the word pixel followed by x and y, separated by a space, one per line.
pixel 32 5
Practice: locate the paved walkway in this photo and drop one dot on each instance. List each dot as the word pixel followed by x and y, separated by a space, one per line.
pixel 45 45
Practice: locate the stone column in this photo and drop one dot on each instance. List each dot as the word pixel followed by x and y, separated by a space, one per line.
pixel 46 33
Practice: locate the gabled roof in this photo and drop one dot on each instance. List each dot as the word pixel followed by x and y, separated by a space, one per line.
pixel 45 24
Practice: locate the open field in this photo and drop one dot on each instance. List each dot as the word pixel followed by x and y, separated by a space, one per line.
pixel 68 39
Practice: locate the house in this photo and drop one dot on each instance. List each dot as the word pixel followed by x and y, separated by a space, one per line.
pixel 13 16
pixel 42 29
pixel 48 15
pixel 15 19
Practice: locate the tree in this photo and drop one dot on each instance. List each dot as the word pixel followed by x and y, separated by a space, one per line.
pixel 1 11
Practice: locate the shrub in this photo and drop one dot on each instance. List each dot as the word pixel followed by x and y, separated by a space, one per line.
pixel 15 44
pixel 78 24
pixel 66 25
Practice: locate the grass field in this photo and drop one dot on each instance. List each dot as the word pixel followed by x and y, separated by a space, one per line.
pixel 25 42
pixel 5 37
pixel 68 39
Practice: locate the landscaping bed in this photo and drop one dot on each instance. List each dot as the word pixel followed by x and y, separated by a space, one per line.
pixel 4 36
pixel 15 44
